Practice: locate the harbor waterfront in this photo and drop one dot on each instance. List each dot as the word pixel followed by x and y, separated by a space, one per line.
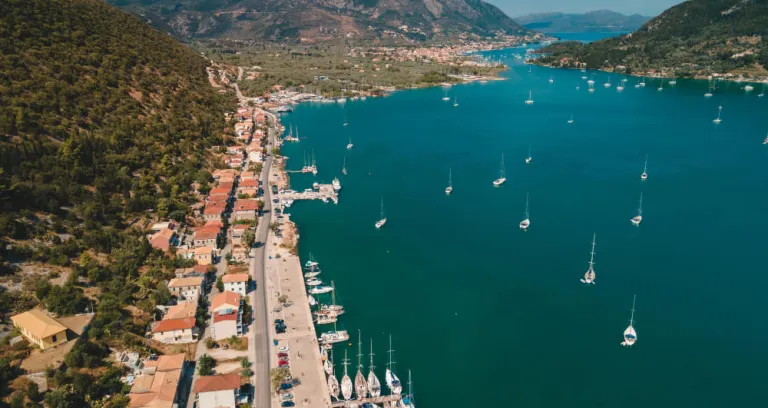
pixel 471 300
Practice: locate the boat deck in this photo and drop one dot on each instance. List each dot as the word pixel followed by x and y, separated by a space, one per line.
pixel 378 401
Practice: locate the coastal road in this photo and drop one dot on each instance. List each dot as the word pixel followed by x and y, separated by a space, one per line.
pixel 261 325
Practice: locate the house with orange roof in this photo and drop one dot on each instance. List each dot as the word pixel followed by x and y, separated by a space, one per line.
pixel 218 391
pixel 214 210
pixel 226 315
pixel 204 255
pixel 206 237
pixel 187 289
pixel 245 209
pixel 181 310
pixel 158 385
pixel 164 240
pixel 175 330
pixel 238 231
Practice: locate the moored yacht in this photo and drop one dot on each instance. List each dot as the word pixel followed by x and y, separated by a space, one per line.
pixel 336 184
pixel 313 282
pixel 334 336
pixel 570 120
pixel 449 189
pixel 380 223
pixel 455 102
pixel 644 175
pixel 350 145
pixel 766 140
pixel 346 382
pixel 630 335
pixel 311 268
pixel 642 83
pixel 526 222
pixel 636 220
pixel 361 386
pixel 529 101
pixel 502 176
pixel 374 386
pixel 395 387
pixel 589 276
pixel 528 159
pixel 717 120
pixel 318 290
pixel 445 96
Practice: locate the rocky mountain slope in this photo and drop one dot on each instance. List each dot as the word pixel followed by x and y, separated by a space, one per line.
pixel 317 20
pixel 696 37
pixel 599 20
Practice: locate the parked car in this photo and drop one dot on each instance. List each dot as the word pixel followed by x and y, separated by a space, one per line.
pixel 279 321
pixel 283 364
pixel 295 381
pixel 283 349
pixel 286 386
pixel 282 355
pixel 287 397
pixel 287 404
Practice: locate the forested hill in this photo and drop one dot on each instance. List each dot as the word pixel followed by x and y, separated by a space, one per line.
pixel 98 112
pixel 693 38
pixel 593 21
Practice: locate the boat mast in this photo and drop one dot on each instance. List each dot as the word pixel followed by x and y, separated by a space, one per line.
pixel 450 179
pixel 371 367
pixel 410 387
pixel 333 299
pixel 501 171
pixel 526 206
pixel 382 208
pixel 645 166
pixel 640 207
pixel 632 317
pixel 592 254
pixel 390 364
pixel 529 150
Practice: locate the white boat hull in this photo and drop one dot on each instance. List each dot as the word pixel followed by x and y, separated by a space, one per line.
pixel 525 224
pixel 637 220
pixel 380 223
pixel 630 337
pixel 499 182
pixel 448 190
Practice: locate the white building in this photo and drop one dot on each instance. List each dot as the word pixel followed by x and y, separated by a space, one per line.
pixel 236 282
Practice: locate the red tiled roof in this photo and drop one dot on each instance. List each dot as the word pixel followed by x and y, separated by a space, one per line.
pixel 162 240
pixel 211 383
pixel 235 277
pixel 225 298
pixel 200 268
pixel 227 185
pixel 205 234
pixel 246 205
pixel 174 324
pixel 220 191
pixel 219 317
pixel 240 226
pixel 248 183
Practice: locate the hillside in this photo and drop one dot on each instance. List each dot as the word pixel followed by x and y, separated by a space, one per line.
pixel 103 120
pixel 593 21
pixel 318 20
pixel 696 37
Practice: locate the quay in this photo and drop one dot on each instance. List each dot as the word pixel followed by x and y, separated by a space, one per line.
pixel 383 399
pixel 325 193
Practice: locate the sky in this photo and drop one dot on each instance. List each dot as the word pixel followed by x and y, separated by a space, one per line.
pixel 515 8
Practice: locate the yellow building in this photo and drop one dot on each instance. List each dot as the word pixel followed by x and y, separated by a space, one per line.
pixel 40 329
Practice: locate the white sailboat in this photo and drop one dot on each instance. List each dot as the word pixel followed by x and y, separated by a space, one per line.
pixel 445 95
pixel 336 184
pixel 620 85
pixel 589 276
pixel 346 382
pixel 408 400
pixel 608 84
pixel 455 102
pixel 526 222
pixel 314 164
pixel 380 223
pixel 344 166
pixel 529 101
pixel 327 364
pixel 528 158
pixel 661 85
pixel 591 86
pixel 766 139
pixel 374 386
pixel 319 290
pixel 361 386
pixel 345 121
pixel 350 145
pixel 591 82
pixel 636 220
pixel 717 120
pixel 630 335
pixel 311 300
pixel 570 120
pixel 637 85
pixel 644 175
pixel 449 189
pixel 502 174
pixel 762 91
pixel 551 80
pixel 748 88
pixel 642 83
pixel 311 268
pixel 395 387
pixel 333 382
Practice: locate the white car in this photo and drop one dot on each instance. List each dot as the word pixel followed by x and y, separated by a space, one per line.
pixel 283 349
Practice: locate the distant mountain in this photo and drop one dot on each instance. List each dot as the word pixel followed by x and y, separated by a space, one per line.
pixel 600 20
pixel 314 20
pixel 693 38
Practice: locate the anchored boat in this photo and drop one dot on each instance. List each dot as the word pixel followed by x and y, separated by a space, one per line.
pixel 589 276
pixel 395 387
pixel 449 189
pixel 630 336
pixel 346 382
pixel 380 223
pixel 636 220
pixel 374 386
pixel 644 175
pixel 361 386
pixel 502 174
pixel 526 222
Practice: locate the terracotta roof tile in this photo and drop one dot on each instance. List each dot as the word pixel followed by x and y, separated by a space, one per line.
pixel 173 324
pixel 211 383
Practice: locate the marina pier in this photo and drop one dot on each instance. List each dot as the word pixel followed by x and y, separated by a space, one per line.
pixel 384 400
pixel 325 192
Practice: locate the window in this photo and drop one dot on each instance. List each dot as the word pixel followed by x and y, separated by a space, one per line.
pixel 53 339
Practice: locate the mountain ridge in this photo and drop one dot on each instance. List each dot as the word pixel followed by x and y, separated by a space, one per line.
pixel 318 20
pixel 592 21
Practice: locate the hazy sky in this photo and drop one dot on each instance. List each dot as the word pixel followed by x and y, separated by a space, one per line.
pixel 516 8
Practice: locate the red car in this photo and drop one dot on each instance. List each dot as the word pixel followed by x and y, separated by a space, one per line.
pixel 282 355
pixel 282 363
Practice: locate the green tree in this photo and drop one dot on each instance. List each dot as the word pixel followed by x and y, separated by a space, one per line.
pixel 205 365
pixel 220 284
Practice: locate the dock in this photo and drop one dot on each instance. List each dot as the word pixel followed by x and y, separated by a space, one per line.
pixel 378 401
pixel 325 193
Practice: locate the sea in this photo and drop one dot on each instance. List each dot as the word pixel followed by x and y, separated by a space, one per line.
pixel 486 315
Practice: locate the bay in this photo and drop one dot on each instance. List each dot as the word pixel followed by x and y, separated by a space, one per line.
pixel 487 315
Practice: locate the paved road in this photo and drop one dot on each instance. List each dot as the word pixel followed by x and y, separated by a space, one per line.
pixel 261 325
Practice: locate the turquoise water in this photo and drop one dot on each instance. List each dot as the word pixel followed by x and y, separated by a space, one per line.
pixel 487 315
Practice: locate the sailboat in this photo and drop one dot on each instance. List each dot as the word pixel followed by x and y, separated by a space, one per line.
pixel 748 88
pixel 346 382
pixel 551 80
pixel 529 101
pixel 766 139
pixel 333 382
pixel 526 222
pixel 314 164
pixel 449 189
pixel 762 91
pixel 718 120
pixel 311 268
pixel 661 85
pixel 502 176
pixel 620 86
pixel 408 400
pixel 344 166
pixel 350 145
pixel 345 121
pixel 630 336
pixel 374 386
pixel 637 85
pixel 591 86
pixel 589 276
pixel 673 81
pixel 445 97
pixel 327 363
pixel 636 220
pixel 530 67
pixel 361 387
pixel 607 84
pixel 528 158
pixel 455 102
pixel 642 83
pixel 329 314
pixel 391 379
pixel 644 175
pixel 380 223
pixel 570 120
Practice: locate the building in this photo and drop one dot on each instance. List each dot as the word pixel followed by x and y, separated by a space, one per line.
pixel 204 255
pixel 236 282
pixel 175 330
pixel 180 311
pixel 206 237
pixel 246 209
pixel 187 289
pixel 238 231
pixel 157 385
pixel 218 391
pixel 214 210
pixel 40 329
pixel 226 315
pixel 164 240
